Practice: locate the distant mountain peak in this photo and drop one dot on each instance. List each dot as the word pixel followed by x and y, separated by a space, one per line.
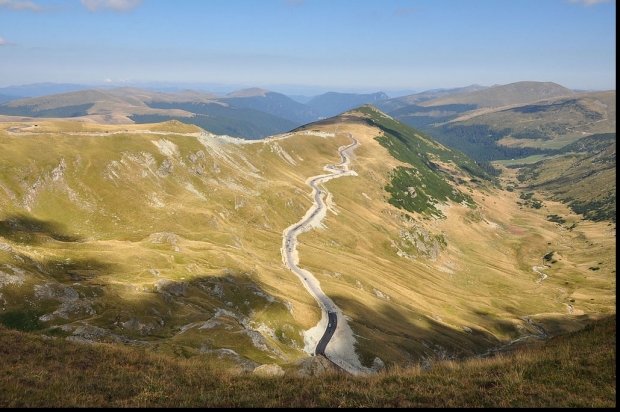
pixel 521 92
pixel 250 92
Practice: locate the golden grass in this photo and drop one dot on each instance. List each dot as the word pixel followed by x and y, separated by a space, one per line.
pixel 483 280
pixel 577 370
pixel 228 218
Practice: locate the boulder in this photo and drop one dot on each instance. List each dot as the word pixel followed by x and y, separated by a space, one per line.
pixel 315 366
pixel 269 370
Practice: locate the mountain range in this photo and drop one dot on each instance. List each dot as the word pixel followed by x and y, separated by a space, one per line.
pixel 489 124
pixel 542 115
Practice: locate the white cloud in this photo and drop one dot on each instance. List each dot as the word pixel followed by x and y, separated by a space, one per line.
pixel 20 5
pixel 117 5
pixel 589 2
pixel 3 42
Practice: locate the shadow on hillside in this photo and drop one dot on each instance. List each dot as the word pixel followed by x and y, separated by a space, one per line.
pixel 401 338
pixel 430 338
pixel 30 230
pixel 209 315
pixel 159 310
pixel 57 292
pixel 167 313
pixel 76 270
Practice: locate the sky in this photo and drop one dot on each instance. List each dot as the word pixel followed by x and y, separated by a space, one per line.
pixel 304 46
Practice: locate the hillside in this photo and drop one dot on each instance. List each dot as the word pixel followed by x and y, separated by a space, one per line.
pixel 507 121
pixel 248 116
pixel 583 176
pixel 430 163
pixel 427 117
pixel 220 118
pixel 106 106
pixel 576 370
pixel 40 89
pixel 170 238
pixel 390 105
pixel 518 131
pixel 275 104
pixel 503 95
pixel 549 124
pixel 4 98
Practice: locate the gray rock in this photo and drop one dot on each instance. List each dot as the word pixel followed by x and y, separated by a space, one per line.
pixel 269 370
pixel 315 366
pixel 378 364
pixel 171 287
pixel 91 334
pixel 17 277
pixel 135 325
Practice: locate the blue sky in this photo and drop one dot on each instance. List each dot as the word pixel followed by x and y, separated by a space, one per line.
pixel 309 45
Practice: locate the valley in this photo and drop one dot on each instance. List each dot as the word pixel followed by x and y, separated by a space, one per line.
pixel 167 237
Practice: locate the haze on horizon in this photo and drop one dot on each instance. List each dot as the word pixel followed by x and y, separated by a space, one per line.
pixel 303 45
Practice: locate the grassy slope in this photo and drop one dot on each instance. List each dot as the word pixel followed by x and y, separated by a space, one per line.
pixel 233 121
pixel 431 184
pixel 577 370
pixel 583 177
pixel 276 104
pixel 410 296
pixel 244 117
pixel 501 95
pixel 193 219
pixel 415 288
pixel 538 128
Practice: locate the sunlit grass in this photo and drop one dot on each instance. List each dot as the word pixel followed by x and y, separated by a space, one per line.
pixel 577 370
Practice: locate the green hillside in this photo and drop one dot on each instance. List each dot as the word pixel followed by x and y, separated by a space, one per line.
pixel 277 105
pixel 517 93
pixel 424 117
pixel 220 119
pixel 539 128
pixel 433 167
pixel 583 176
pixel 33 111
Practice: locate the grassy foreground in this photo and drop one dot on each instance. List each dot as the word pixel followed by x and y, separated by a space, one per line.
pixel 575 370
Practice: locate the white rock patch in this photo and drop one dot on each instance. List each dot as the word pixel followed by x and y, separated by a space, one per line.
pixel 166 147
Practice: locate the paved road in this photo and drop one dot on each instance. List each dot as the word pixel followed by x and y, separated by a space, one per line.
pixel 313 216
pixel 332 323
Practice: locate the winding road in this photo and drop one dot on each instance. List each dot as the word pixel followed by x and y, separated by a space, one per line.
pixel 312 219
